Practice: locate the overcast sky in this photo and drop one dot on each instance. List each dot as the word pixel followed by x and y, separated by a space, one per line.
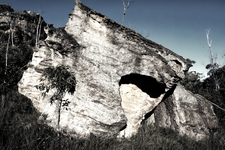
pixel 179 25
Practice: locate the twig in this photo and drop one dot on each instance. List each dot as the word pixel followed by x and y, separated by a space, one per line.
pixel 216 105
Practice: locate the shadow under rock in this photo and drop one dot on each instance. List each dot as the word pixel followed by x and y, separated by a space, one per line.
pixel 147 84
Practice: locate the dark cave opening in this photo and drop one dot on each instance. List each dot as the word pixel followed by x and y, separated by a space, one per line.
pixel 147 84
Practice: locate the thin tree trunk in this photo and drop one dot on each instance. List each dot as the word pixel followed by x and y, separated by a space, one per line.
pixel 12 27
pixel 6 65
pixel 59 111
pixel 212 61
pixel 125 7
pixel 39 34
pixel 123 16
pixel 37 30
pixel 12 37
pixel 6 56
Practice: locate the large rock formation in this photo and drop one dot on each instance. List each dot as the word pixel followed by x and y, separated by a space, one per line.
pixel 180 110
pixel 189 114
pixel 113 55
pixel 108 61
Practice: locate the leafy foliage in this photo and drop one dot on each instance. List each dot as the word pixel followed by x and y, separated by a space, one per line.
pixel 60 79
pixel 18 57
pixel 192 82
pixel 190 62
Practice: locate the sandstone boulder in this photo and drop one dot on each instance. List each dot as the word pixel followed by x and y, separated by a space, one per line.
pixel 121 76
pixel 189 114
pixel 113 55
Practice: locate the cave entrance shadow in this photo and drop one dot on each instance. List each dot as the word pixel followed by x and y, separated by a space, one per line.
pixel 167 95
pixel 147 84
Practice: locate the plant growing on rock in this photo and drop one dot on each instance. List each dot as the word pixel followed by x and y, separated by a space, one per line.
pixel 62 80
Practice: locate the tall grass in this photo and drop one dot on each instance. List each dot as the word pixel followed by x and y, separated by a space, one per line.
pixel 19 129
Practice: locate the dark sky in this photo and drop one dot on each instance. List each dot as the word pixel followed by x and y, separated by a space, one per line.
pixel 179 25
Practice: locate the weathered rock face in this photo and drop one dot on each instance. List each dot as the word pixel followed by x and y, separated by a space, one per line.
pixel 136 105
pixel 189 114
pixel 111 52
pixel 139 94
pixel 121 76
pixel 22 25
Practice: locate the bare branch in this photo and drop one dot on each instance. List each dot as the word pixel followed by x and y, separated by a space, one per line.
pixel 38 30
pixel 209 41
pixel 216 105
pixel 213 66
pixel 126 5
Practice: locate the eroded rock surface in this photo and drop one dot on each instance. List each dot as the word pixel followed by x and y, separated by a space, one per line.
pixel 136 105
pixel 110 53
pixel 189 114
pixel 103 56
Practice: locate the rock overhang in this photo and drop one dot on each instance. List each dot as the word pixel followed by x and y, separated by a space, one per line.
pixel 101 53
pixel 112 52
